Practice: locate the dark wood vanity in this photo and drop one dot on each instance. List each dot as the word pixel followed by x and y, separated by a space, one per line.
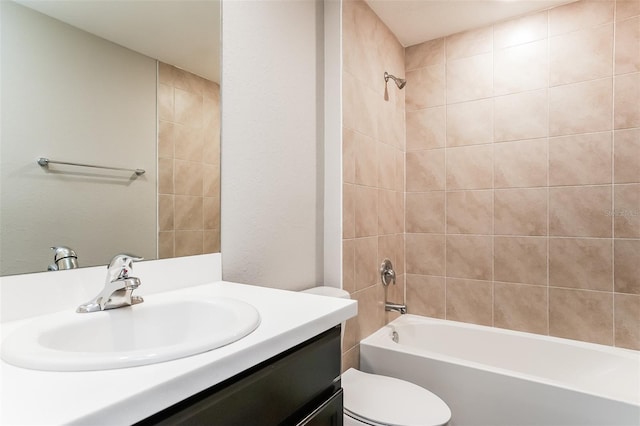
pixel 300 386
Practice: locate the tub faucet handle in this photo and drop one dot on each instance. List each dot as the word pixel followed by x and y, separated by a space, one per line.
pixel 387 273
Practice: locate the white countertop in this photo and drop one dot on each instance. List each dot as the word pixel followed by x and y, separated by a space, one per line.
pixel 127 395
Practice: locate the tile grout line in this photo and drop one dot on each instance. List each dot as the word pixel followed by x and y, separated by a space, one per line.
pixel 548 290
pixel 613 192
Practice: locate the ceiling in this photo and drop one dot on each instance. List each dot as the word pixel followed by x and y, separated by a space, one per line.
pixel 415 21
pixel 185 33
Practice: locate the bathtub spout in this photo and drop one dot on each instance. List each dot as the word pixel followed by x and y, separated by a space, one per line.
pixel 395 307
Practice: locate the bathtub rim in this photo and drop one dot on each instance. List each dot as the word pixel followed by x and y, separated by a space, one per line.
pixel 381 339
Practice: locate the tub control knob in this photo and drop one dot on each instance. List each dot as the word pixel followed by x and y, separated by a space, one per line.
pixel 387 274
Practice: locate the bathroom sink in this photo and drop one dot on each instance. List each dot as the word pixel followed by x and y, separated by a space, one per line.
pixel 143 334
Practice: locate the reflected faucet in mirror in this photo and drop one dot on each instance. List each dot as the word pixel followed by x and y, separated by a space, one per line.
pixel 63 258
pixel 118 286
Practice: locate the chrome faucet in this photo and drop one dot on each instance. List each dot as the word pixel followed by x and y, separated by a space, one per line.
pixel 387 275
pixel 63 258
pixel 117 288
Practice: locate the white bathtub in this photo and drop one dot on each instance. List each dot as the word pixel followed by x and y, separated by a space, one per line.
pixel 490 376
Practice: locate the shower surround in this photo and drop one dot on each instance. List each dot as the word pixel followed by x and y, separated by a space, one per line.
pixel 522 202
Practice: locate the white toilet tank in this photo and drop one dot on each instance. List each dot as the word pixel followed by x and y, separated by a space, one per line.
pixel 371 399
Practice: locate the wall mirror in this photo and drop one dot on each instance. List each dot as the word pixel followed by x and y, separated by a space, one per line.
pixel 110 83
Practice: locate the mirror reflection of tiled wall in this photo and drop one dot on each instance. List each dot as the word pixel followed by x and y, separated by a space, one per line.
pixel 188 163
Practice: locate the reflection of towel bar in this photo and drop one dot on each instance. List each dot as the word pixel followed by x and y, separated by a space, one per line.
pixel 44 162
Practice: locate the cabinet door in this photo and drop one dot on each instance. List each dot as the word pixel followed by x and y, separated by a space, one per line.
pixel 280 391
pixel 328 414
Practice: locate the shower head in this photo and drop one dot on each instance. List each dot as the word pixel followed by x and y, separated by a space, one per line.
pixel 400 82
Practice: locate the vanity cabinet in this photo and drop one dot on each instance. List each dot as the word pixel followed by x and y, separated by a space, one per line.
pixel 300 386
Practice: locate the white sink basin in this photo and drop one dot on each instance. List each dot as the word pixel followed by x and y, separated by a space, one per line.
pixel 143 334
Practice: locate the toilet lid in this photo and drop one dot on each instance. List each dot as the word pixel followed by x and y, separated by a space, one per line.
pixel 385 400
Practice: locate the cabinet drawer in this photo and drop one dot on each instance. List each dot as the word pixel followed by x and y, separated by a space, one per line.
pixel 282 390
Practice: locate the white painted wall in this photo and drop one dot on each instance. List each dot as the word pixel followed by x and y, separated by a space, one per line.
pixel 272 174
pixel 71 96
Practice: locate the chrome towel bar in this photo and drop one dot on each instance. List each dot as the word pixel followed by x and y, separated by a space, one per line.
pixel 44 162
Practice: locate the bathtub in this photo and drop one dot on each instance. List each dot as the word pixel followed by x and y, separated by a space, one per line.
pixel 491 376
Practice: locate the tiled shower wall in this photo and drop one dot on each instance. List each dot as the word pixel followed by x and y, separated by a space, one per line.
pixel 523 174
pixel 373 169
pixel 188 163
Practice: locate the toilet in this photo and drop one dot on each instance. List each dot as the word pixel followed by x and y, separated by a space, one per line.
pixel 375 400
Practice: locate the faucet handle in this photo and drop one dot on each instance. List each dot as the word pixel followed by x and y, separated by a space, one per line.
pixel 120 266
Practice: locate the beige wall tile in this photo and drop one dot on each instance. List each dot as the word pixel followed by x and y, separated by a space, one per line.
pixel 370 310
pixel 390 212
pixel 520 30
pixel 425 212
pixel 391 124
pixel 359 106
pixel 358 26
pixel 366 211
pixel 165 245
pixel 188 243
pixel 470 257
pixel 519 68
pixel 470 212
pixel 520 211
pixel 627 8
pixel 469 43
pixel 470 301
pixel 425 87
pixel 211 180
pixel 165 176
pixel 581 55
pixel 188 108
pixel 349 152
pixel 366 160
pixel 626 212
pixel 580 211
pixel 627 321
pixel 211 213
pixel 626 154
pixel 188 213
pixel 165 73
pixel 627 266
pixel 626 96
pixel 165 212
pixel 165 139
pixel 425 170
pixel 581 315
pixel 520 307
pixel 581 263
pixel 470 78
pixel 188 82
pixel 348 211
pixel 426 128
pixel 189 142
pixel 580 108
pixel 470 123
pixel 627 46
pixel 424 54
pixel 351 359
pixel 165 103
pixel 349 265
pixel 391 247
pixel 579 15
pixel 427 296
pixel 386 169
pixel 520 164
pixel 521 116
pixel 400 171
pixel 188 178
pixel 211 241
pixel 366 262
pixel 425 254
pixel 470 167
pixel 580 159
pixel 520 260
